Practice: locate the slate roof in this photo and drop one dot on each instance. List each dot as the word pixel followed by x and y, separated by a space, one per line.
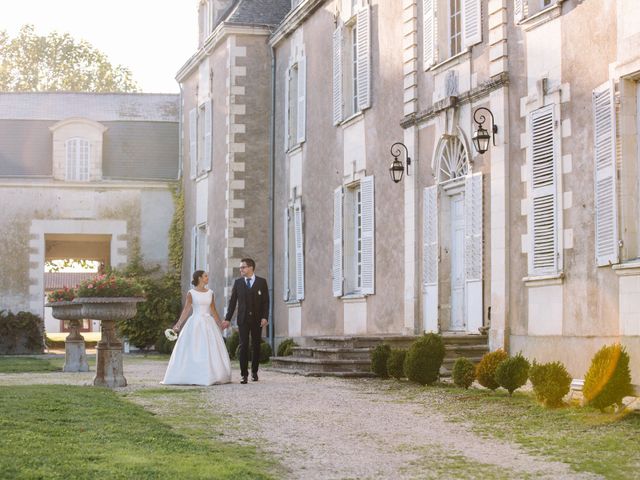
pixel 258 12
pixel 101 107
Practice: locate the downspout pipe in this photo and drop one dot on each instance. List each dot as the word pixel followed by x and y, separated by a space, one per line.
pixel 272 156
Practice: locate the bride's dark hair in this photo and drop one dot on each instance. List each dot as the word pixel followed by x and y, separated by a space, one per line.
pixel 196 277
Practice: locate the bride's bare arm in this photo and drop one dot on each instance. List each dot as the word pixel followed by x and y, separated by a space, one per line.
pixel 185 312
pixel 214 312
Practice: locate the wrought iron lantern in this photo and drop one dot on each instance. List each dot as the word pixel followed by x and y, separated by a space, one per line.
pixel 481 136
pixel 396 170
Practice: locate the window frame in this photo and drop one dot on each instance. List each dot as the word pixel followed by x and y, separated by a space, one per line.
pixel 80 170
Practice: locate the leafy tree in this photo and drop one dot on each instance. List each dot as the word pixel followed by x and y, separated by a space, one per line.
pixel 57 62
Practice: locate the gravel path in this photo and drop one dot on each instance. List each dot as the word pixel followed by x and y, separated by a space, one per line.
pixel 327 428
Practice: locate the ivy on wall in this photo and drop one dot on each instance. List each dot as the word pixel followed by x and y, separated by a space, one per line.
pixel 162 290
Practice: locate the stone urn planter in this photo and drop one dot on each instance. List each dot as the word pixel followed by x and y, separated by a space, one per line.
pixel 108 310
pixel 75 352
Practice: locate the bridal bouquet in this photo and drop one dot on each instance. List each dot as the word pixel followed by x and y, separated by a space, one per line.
pixel 171 335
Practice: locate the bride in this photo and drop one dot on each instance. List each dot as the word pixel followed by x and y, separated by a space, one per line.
pixel 200 356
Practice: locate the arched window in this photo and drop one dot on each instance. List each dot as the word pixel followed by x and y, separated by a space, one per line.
pixel 453 159
pixel 77 159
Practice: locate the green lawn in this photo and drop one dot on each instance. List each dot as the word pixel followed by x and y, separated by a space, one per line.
pixel 61 432
pixel 30 364
pixel 590 441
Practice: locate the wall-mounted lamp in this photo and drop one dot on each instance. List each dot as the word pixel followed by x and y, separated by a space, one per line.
pixel 397 167
pixel 481 137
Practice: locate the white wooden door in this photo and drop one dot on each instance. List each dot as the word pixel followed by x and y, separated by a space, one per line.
pixel 457 262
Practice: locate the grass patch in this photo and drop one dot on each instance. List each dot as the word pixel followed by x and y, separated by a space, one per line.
pixel 585 439
pixel 61 432
pixel 29 365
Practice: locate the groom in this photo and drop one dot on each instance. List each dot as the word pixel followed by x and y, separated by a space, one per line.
pixel 251 294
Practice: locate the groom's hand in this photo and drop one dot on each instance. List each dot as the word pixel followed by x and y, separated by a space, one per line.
pixel 225 324
pixel 264 322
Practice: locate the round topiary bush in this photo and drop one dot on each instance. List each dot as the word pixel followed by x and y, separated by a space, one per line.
pixel 424 359
pixel 464 372
pixel 512 373
pixel 285 349
pixel 379 356
pixel 486 370
pixel 551 382
pixel 608 379
pixel 395 363
pixel 232 342
pixel 20 333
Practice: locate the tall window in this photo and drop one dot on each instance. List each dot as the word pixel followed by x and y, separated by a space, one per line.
pixel 352 79
pixel 352 65
pixel 77 161
pixel 293 253
pixel 199 246
pixel 293 106
pixel 201 139
pixel 455 27
pixel 353 261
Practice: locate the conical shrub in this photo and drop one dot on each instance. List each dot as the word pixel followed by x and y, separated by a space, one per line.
pixel 379 356
pixel 512 373
pixel 486 370
pixel 395 363
pixel 551 382
pixel 608 379
pixel 424 359
pixel 464 372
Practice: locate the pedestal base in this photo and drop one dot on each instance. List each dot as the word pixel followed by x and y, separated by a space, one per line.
pixel 75 358
pixel 109 372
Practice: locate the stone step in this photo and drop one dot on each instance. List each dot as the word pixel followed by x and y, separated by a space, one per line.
pixel 315 365
pixel 333 353
pixel 321 374
pixel 395 341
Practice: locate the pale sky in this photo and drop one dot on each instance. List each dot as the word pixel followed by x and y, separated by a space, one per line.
pixel 153 38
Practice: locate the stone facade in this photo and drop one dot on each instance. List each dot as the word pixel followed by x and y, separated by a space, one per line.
pixel 535 241
pixel 65 202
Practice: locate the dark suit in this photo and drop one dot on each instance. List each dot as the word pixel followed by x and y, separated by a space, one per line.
pixel 253 306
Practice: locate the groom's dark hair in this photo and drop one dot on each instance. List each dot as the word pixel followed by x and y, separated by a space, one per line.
pixel 249 262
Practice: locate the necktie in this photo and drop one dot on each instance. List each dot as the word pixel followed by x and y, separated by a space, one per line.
pixel 248 282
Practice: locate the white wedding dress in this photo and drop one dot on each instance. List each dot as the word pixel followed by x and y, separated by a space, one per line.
pixel 200 356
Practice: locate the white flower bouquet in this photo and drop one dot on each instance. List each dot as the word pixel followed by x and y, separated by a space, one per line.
pixel 171 335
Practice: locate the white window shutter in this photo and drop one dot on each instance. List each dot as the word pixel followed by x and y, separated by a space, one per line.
pixel 605 176
pixel 518 10
pixel 194 246
pixel 473 226
pixel 193 142
pixel 544 253
pixel 363 32
pixel 429 32
pixel 287 113
pixel 337 242
pixel 471 22
pixel 473 251
pixel 302 101
pixel 430 258
pixel 208 135
pixel 367 195
pixel 285 241
pixel 337 75
pixel 299 240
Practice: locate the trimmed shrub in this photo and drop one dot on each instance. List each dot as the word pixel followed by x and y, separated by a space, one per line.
pixel 379 357
pixel 486 369
pixel 551 382
pixel 608 379
pixel 20 333
pixel 464 372
pixel 265 351
pixel 232 342
pixel 285 349
pixel 512 373
pixel 395 363
pixel 424 359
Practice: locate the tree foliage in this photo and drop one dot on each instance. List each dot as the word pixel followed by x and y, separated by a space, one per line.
pixel 57 62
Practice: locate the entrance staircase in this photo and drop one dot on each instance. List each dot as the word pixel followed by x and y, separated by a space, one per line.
pixel 350 356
